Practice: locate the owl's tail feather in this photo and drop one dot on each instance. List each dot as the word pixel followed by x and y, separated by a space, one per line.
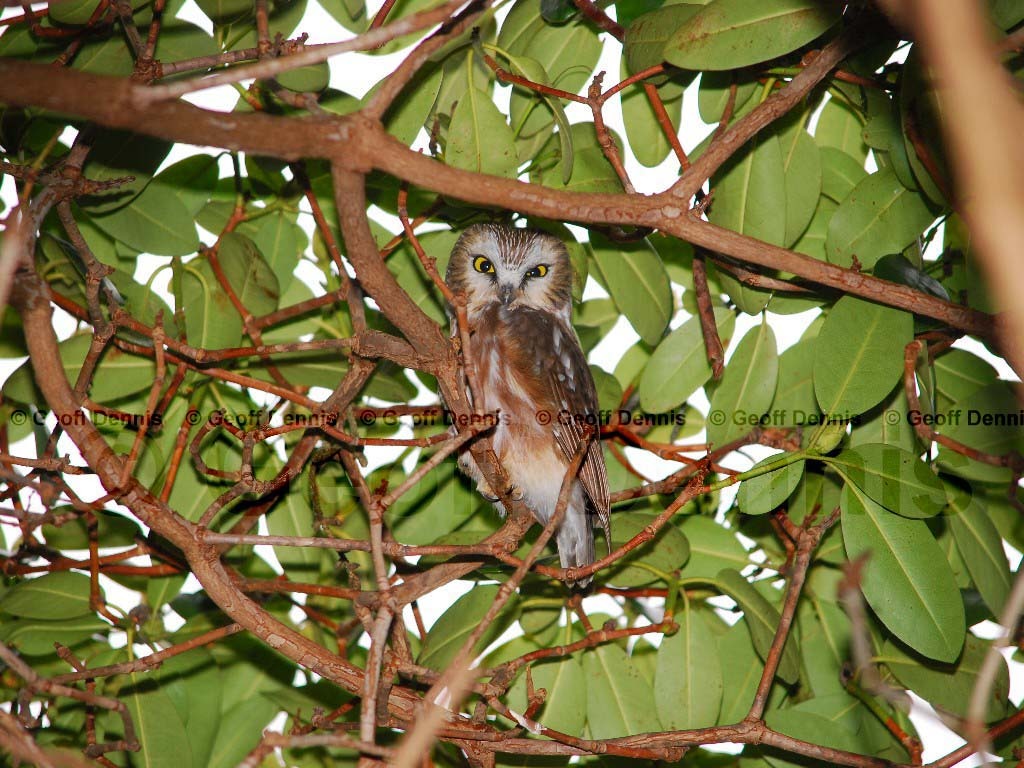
pixel 576 543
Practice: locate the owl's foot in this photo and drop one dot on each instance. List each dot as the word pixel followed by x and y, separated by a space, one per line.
pixel 484 489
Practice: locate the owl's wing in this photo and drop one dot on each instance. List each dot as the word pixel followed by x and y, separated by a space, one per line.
pixel 573 388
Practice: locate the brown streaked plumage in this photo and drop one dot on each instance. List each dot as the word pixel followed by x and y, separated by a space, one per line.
pixel 530 368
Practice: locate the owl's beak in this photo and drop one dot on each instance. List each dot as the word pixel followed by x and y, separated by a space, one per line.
pixel 506 293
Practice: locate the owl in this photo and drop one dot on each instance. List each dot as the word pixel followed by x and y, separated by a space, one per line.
pixel 529 368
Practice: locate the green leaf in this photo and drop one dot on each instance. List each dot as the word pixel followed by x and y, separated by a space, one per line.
pixel 241 730
pixel 637 282
pixel 534 71
pixel 248 274
pixel 227 11
pixel 479 139
pixel 115 155
pixel 644 43
pixel 565 706
pixel 812 241
pixel 211 320
pixel 591 171
pixel 948 687
pixel 112 530
pixel 741 672
pixel 59 595
pixel 712 548
pixel 959 374
pixel 35 637
pixel 119 374
pixel 192 682
pixel 809 725
pixel 842 128
pixel 619 699
pixel 747 198
pixel 763 493
pixel 747 387
pixel 728 34
pixel 156 222
pixel 840 173
pixel 310 79
pixel 981 545
pixel 645 134
pixel 679 365
pixel 713 94
pixel 281 242
pixel 160 731
pixel 568 54
pixel 894 478
pixel 762 620
pixel 880 216
pixel 668 551
pixel 801 164
pixel 859 355
pixel 450 631
pixel 191 180
pixel 906 580
pixel 987 421
pixel 794 401
pixel 688 680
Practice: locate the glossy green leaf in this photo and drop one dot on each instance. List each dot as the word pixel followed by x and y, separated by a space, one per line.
pixel 112 530
pixel 812 241
pixel 747 387
pixel 987 421
pixel 763 493
pixel 565 706
pixel 310 79
pixel 156 222
pixel 906 579
pixel 591 171
pixel 667 552
pixel 159 729
pixel 619 699
pixel 248 274
pixel 35 637
pixel 840 173
pixel 117 155
pixel 58 595
pixel 959 374
pixel 979 542
pixel 741 672
pixel 450 631
pixel 747 198
pixel 713 94
pixel 894 478
pixel 191 180
pixel 712 548
pixel 211 320
pixel 688 677
pixel 679 365
pixel 794 403
pixel 644 43
pixel 637 282
pixel 859 355
pixel 762 621
pixel 880 216
pixel 645 135
pixel 728 34
pixel 479 139
pixel 801 165
pixel 841 127
pixel 948 687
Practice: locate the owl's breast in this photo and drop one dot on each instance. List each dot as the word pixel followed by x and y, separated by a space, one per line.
pixel 510 352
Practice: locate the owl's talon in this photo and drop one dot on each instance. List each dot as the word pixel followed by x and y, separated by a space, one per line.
pixel 516 493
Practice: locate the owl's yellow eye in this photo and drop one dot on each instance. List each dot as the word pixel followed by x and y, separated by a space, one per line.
pixel 483 264
pixel 539 271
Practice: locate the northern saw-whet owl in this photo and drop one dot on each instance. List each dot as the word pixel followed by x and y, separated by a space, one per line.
pixel 530 368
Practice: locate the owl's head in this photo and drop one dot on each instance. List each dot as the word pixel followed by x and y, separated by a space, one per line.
pixel 515 268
